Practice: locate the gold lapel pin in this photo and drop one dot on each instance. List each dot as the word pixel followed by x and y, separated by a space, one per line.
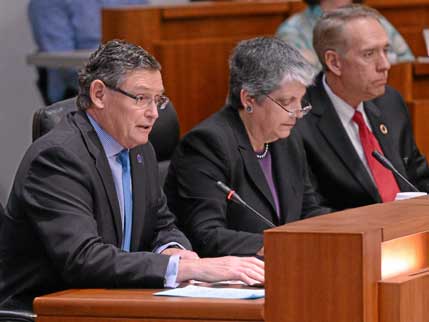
pixel 383 129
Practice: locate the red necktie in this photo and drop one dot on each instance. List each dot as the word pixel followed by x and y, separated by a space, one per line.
pixel 384 179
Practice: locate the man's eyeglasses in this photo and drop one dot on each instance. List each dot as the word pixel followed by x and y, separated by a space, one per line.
pixel 144 101
pixel 305 107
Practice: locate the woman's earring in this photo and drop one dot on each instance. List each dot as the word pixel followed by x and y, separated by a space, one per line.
pixel 249 109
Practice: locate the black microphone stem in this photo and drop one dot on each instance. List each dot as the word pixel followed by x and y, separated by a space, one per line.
pixel 231 195
pixel 269 223
pixel 388 165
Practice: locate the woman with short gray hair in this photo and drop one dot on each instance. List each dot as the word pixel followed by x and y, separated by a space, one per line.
pixel 249 146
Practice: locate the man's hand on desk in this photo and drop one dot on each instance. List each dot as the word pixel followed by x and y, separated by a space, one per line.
pixel 183 253
pixel 249 270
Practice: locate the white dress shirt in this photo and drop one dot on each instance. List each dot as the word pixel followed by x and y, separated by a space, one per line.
pixel 345 113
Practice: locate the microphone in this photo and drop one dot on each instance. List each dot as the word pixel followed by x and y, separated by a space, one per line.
pixel 388 165
pixel 231 195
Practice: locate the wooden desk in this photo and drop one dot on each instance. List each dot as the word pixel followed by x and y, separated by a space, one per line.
pixel 331 268
pixel 101 305
pixel 193 43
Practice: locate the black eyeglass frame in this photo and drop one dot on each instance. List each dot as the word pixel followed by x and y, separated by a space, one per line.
pixel 304 110
pixel 160 105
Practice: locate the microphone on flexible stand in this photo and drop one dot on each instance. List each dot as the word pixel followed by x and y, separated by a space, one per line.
pixel 231 195
pixel 388 165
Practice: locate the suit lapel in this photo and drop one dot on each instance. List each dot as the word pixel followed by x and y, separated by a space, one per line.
pixel 285 179
pixel 251 164
pixel 331 128
pixel 385 140
pixel 102 165
pixel 138 173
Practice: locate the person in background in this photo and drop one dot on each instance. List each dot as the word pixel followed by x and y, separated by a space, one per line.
pixel 354 113
pixel 249 145
pixel 86 208
pixel 298 31
pixel 66 25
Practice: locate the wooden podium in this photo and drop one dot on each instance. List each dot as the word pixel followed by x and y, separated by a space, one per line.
pixel 367 264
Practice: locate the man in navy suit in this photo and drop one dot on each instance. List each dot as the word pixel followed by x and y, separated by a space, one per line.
pixel 86 208
pixel 355 113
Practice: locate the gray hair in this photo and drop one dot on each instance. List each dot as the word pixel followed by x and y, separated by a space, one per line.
pixel 328 32
pixel 110 63
pixel 260 66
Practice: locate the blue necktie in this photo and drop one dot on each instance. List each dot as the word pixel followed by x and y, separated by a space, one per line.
pixel 124 159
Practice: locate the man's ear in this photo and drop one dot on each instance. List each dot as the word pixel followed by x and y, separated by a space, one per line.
pixel 333 62
pixel 246 99
pixel 97 92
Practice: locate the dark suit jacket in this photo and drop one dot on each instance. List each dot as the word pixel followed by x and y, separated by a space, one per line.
pixel 337 172
pixel 64 225
pixel 219 149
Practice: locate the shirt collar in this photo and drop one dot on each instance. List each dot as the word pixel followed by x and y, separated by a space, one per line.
pixel 344 110
pixel 110 145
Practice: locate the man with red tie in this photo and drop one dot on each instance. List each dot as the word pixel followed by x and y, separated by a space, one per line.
pixel 354 113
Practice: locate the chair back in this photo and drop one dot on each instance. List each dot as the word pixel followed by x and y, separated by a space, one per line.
pixel 45 118
pixel 164 135
pixel 8 314
pixel 2 214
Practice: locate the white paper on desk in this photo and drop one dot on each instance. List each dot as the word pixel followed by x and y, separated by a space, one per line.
pixel 409 195
pixel 230 282
pixel 214 292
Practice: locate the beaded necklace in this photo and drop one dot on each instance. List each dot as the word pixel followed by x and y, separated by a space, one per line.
pixel 263 154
